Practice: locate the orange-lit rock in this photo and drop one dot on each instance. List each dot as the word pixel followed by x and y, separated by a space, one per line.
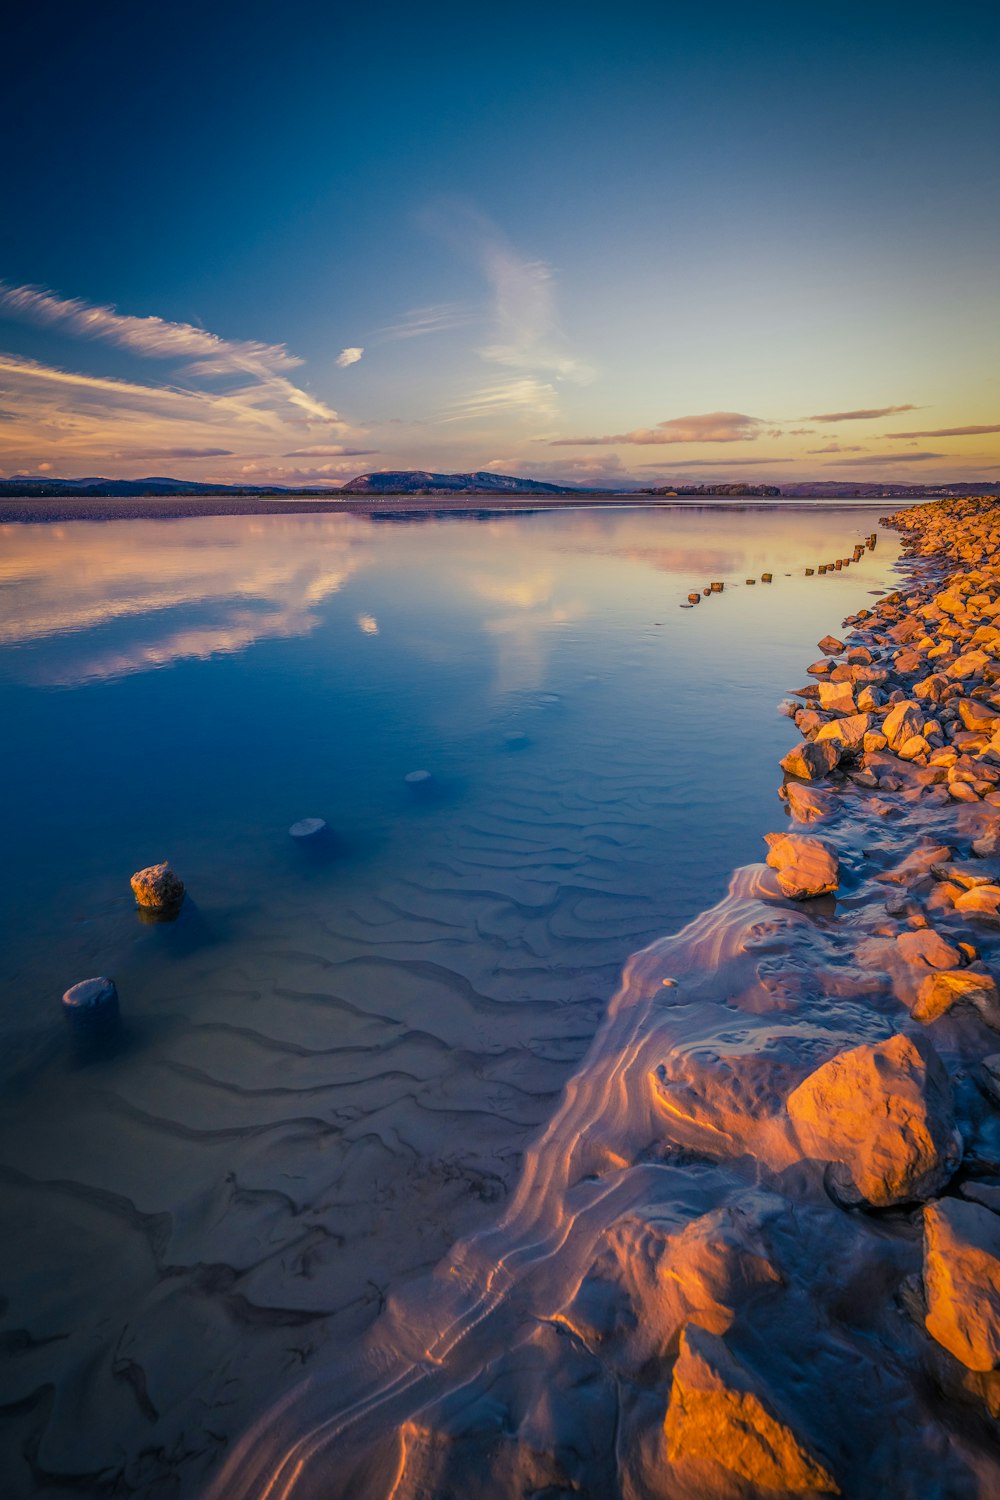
pixel 808 805
pixel 720 1414
pixel 850 732
pixel 806 866
pixel 812 760
pixel 157 888
pixel 837 696
pixel 940 991
pixel 901 723
pixel 962 1280
pixel 882 1116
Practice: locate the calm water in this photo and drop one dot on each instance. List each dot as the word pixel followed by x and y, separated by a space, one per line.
pixel 329 1067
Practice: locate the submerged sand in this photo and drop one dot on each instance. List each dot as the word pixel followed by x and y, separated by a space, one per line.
pixel 756 1250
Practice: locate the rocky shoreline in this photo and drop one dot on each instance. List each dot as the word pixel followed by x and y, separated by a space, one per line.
pixel 757 1250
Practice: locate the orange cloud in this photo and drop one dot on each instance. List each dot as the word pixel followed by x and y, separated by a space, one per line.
pixel 709 427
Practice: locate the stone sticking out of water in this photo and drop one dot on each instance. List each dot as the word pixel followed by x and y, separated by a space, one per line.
pixel 158 889
pixel 307 828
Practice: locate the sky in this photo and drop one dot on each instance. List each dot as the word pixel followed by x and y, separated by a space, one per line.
pixel 618 245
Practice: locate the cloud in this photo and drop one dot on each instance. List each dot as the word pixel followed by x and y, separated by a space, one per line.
pixel 83 420
pixel 178 453
pixel 873 461
pixel 526 395
pixel 838 448
pixel 863 414
pixel 349 356
pixel 801 431
pixel 710 427
pixel 204 354
pixel 948 432
pixel 714 463
pixel 526 331
pixel 436 318
pixel 333 451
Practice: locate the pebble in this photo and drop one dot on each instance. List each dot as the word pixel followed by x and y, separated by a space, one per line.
pixel 307 828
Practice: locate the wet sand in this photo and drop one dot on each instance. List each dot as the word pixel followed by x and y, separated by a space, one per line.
pixel 756 1251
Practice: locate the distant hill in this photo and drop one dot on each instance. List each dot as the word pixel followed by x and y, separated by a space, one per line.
pixel 42 484
pixel 421 482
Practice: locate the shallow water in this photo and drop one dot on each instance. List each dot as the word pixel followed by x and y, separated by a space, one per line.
pixel 330 1067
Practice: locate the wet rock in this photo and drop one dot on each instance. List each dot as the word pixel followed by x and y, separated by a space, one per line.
pixel 91 996
pixel 927 949
pixel 939 991
pixel 721 1413
pixel 806 866
pixel 962 1281
pixel 981 902
pixel 158 888
pixel 882 1115
pixel 307 828
pixel 830 646
pixel 417 778
pixel 807 805
pixel 812 761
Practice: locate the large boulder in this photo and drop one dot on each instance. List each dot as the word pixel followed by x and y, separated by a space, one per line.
pixel 882 1115
pixel 720 1413
pixel 962 1281
pixel 806 866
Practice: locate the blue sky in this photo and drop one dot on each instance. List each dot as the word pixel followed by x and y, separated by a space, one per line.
pixel 602 244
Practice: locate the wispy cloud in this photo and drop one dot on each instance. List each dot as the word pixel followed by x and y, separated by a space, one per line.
pixel 526 334
pixel 177 453
pixel 225 399
pixel 334 450
pixel 863 414
pixel 715 463
pixel 875 461
pixel 525 395
pixel 349 356
pixel 838 448
pixel 948 432
pixel 709 427
pixel 418 322
pixel 203 354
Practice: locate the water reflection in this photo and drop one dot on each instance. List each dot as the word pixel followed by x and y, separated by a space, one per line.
pixel 331 1068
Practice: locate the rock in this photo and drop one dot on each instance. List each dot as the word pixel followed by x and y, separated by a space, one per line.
pixel 807 805
pixel 720 1413
pixel 307 828
pixel 806 866
pixel 901 723
pixel 812 760
pixel 982 901
pixel 987 846
pixel 976 715
pixel 849 732
pixel 91 996
pixel 417 778
pixel 157 888
pixel 938 992
pixel 838 697
pixel 928 949
pixel 830 646
pixel 882 1115
pixel 962 1281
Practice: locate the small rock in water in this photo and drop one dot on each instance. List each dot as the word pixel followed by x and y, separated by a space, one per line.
pixel 830 646
pixel 806 866
pixel 91 1008
pixel 812 760
pixel 157 888
pixel 417 778
pixel 307 828
pixel 91 995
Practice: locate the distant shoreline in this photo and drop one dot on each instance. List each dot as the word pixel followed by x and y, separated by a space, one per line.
pixel 53 509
